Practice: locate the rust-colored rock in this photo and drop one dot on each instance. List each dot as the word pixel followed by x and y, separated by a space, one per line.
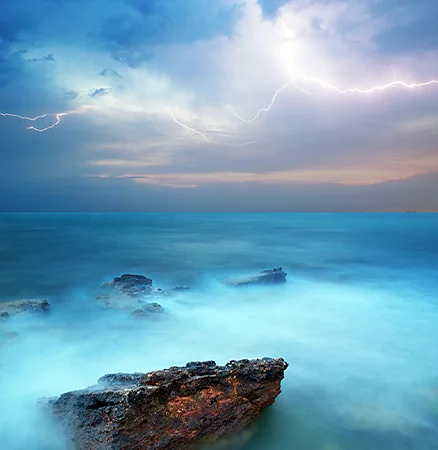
pixel 169 409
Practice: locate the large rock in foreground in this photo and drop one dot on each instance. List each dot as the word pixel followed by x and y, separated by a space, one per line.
pixel 270 276
pixel 169 409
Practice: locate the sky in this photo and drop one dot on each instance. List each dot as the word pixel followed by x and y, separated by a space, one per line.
pixel 218 105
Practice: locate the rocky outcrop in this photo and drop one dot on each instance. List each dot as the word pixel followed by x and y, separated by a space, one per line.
pixel 146 310
pixel 130 292
pixel 132 285
pixel 270 276
pixel 169 409
pixel 23 306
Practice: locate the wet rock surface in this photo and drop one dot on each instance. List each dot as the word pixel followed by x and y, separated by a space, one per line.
pixel 129 292
pixel 153 308
pixel 9 309
pixel 270 276
pixel 169 409
pixel 147 310
pixel 132 285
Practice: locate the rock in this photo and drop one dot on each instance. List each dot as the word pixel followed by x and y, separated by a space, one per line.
pixel 271 276
pixel 4 315
pixel 147 309
pixel 10 334
pixel 169 409
pixel 131 285
pixel 139 314
pixel 153 308
pixel 128 292
pixel 6 337
pixel 181 288
pixel 23 306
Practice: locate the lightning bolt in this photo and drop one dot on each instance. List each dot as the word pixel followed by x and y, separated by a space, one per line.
pixel 55 124
pixel 158 130
pixel 301 89
pixel 17 116
pixel 333 87
pixel 187 128
pixel 372 89
pixel 33 119
pixel 202 135
pixel 58 118
pixel 263 110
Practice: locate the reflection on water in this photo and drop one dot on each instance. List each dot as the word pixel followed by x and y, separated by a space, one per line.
pixel 356 320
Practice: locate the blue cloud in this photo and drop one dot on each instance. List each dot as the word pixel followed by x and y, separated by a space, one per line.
pixel 72 95
pixel 15 18
pixel 48 57
pixel 186 21
pixel 270 7
pixel 133 33
pixel 100 92
pixel 10 65
pixel 19 20
pixel 413 25
pixel 110 73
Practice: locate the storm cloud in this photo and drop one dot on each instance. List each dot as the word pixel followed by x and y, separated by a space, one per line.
pixel 224 99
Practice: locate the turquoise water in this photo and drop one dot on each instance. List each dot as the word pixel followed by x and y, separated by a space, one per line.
pixel 357 320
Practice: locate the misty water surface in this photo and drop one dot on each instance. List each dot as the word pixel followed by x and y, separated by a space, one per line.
pixel 357 319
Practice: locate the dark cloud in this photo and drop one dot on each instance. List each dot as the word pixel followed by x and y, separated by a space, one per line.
pixel 48 57
pixel 10 65
pixel 177 21
pixel 24 84
pixel 133 35
pixel 165 44
pixel 17 17
pixel 14 20
pixel 100 92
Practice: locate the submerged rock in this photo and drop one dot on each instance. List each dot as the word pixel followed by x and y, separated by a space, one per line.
pixel 10 334
pixel 270 276
pixel 147 309
pixel 169 409
pixel 153 308
pixel 23 306
pixel 132 285
pixel 139 314
pixel 128 292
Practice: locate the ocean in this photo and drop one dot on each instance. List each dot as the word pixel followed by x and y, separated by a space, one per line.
pixel 357 320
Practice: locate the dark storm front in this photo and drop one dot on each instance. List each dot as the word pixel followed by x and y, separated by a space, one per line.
pixel 356 319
